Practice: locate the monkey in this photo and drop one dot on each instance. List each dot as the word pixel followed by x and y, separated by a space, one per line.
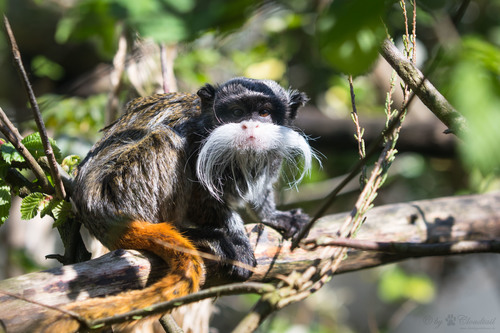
pixel 171 175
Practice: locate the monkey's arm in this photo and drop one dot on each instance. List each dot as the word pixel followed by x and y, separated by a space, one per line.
pixel 288 223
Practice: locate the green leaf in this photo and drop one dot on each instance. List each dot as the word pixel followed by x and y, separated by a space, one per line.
pixel 62 212
pixel 33 143
pixel 10 154
pixel 396 285
pixel 165 28
pixel 44 67
pixel 5 201
pixel 475 92
pixel 32 204
pixel 350 33
pixel 48 208
pixel 70 163
pixel 182 6
pixel 59 210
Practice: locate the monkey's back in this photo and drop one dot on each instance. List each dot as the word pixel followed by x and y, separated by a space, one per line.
pixel 139 170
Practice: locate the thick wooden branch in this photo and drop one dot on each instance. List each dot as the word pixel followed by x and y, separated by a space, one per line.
pixel 438 221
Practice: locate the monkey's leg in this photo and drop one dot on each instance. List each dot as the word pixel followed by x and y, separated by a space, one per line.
pixel 184 277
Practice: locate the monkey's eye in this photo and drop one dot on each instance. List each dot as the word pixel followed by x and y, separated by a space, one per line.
pixel 264 113
pixel 237 112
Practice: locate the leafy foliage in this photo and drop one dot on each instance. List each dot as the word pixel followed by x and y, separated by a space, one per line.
pixel 74 115
pixel 34 145
pixel 32 204
pixel 475 90
pixel 10 154
pixel 35 202
pixel 5 201
pixel 396 285
pixel 70 163
pixel 350 34
pixel 59 210
pixel 164 21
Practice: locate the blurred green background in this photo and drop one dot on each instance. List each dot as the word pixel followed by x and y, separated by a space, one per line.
pixel 68 47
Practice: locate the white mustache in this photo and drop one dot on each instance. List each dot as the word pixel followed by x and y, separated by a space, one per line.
pixel 253 151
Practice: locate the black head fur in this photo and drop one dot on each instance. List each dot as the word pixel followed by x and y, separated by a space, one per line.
pixel 251 91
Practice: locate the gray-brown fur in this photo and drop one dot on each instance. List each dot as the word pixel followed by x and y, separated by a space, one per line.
pixel 145 168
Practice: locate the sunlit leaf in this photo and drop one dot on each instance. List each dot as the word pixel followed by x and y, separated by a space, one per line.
pixel 272 69
pixel 62 212
pixel 475 92
pixel 182 6
pixel 350 33
pixel 10 154
pixel 70 163
pixel 33 143
pixel 32 204
pixel 44 67
pixel 165 28
pixel 396 285
pixel 5 201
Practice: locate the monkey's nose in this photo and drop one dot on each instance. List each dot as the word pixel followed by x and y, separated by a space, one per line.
pixel 245 125
pixel 249 129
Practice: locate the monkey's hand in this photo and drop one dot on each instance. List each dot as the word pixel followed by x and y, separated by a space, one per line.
pixel 234 255
pixel 288 223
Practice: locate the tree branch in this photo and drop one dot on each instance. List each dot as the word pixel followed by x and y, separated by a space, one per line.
pixel 454 220
pixel 54 172
pixel 409 249
pixel 427 93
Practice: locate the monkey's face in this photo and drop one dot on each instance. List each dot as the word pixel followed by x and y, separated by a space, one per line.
pixel 242 155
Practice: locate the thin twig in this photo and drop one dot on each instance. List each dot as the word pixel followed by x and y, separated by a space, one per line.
pixel 414 33
pixel 169 324
pixel 12 134
pixel 206 255
pixel 359 132
pixel 408 249
pixel 54 172
pixel 231 289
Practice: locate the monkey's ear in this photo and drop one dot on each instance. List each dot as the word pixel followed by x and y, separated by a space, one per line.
pixel 206 94
pixel 297 99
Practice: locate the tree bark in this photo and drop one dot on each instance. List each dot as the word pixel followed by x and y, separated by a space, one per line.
pixel 437 221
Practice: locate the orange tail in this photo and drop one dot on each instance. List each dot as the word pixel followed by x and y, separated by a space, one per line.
pixel 184 277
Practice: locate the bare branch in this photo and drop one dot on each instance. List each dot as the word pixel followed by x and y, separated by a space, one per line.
pixel 167 58
pixel 54 172
pixel 169 324
pixel 409 249
pixel 231 289
pixel 359 132
pixel 427 93
pixel 116 78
